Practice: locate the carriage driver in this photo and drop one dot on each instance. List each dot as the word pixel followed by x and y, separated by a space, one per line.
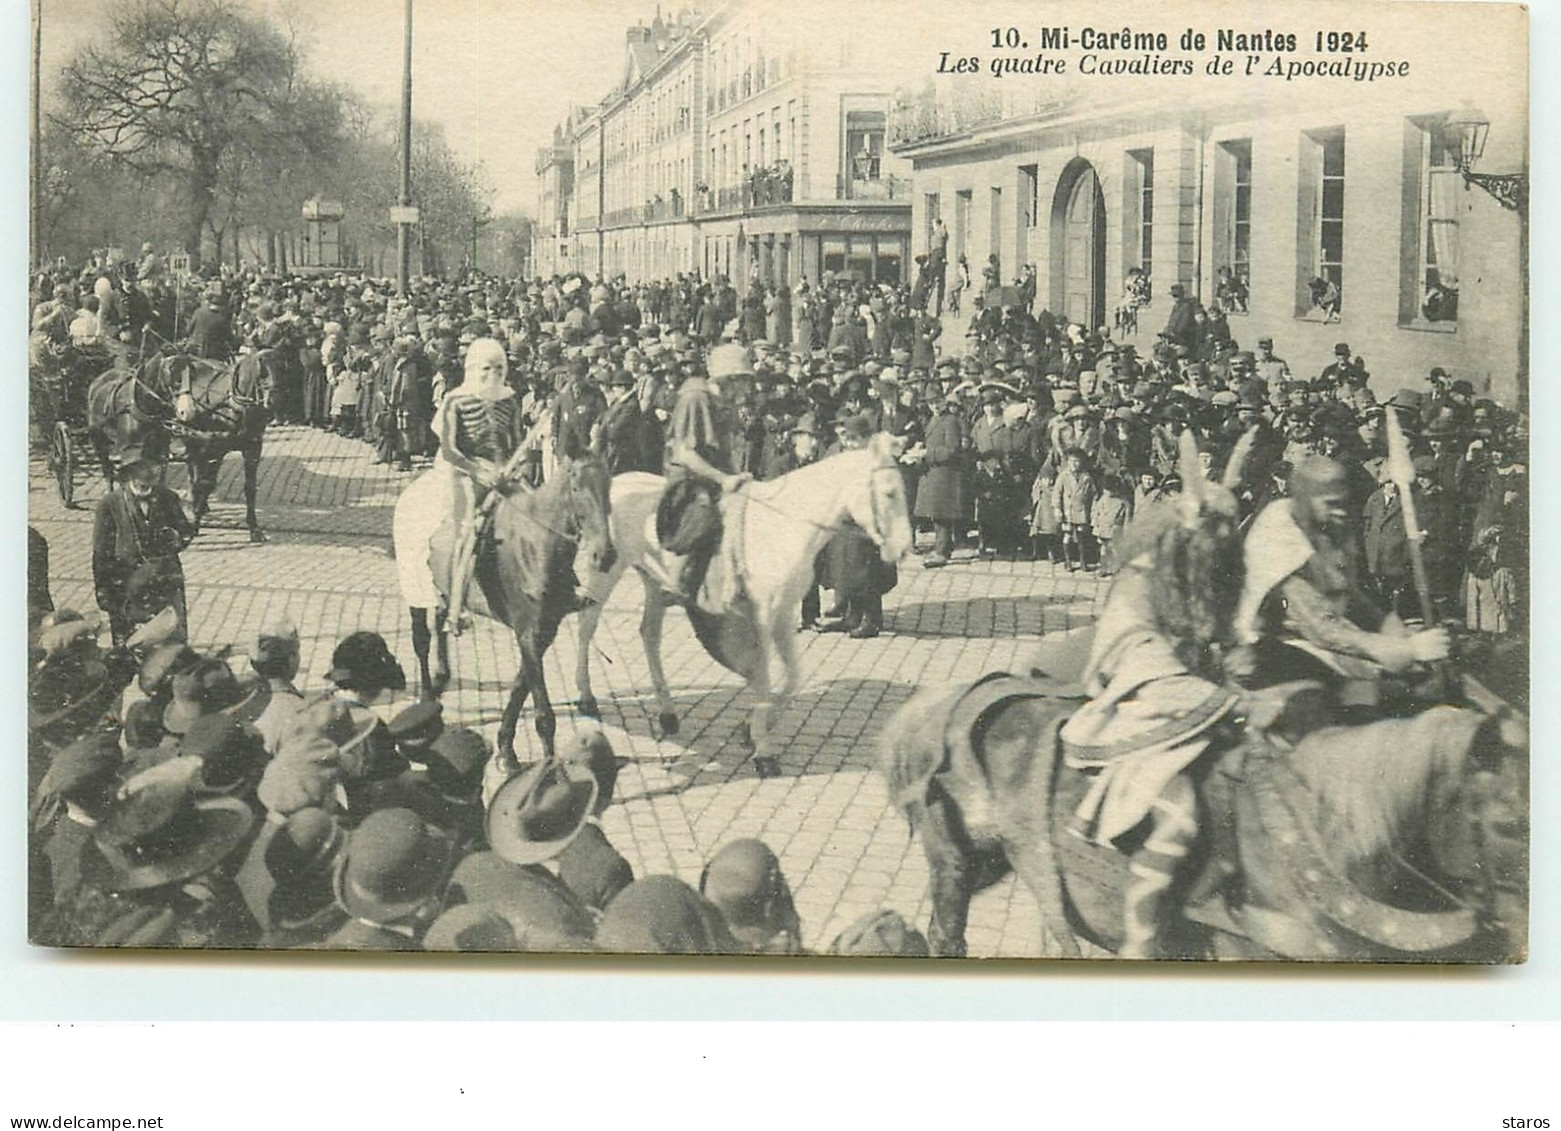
pixel 699 452
pixel 480 429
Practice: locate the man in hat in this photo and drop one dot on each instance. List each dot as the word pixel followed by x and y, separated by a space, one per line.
pixel 1268 366
pixel 745 883
pixel 1341 370
pixel 137 534
pixel 1181 328
pixel 627 437
pixel 275 660
pixel 211 328
pixel 945 493
pixel 389 881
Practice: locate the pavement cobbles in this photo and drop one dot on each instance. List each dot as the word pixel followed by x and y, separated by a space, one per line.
pixel 327 566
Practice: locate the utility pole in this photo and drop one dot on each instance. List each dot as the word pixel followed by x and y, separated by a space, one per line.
pixel 35 215
pixel 403 227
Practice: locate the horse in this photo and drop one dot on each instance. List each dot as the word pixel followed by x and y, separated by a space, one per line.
pixel 213 407
pixel 1341 844
pixel 767 558
pixel 524 574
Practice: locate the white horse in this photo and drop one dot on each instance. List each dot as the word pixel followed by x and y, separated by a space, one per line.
pixel 787 521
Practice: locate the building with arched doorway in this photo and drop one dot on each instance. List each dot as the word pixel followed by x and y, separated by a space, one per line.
pixel 1327 215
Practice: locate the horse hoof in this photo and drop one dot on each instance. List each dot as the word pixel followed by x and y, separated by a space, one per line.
pixel 507 763
pixel 669 723
pixel 257 535
pixel 590 708
pixel 767 767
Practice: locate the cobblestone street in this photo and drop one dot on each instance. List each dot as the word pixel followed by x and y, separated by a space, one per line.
pixel 328 567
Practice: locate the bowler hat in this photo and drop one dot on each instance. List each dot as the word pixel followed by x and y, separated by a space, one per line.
pixel 394 863
pixel 744 882
pixel 364 659
pixel 663 915
pixel 456 761
pixel 536 813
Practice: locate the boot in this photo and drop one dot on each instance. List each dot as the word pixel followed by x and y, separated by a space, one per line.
pixel 1153 869
pixel 1067 555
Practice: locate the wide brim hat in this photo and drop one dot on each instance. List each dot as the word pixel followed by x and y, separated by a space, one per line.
pixel 162 834
pixel 537 813
pixel 542 912
pixel 471 927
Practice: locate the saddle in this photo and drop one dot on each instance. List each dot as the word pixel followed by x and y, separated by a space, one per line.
pixel 716 543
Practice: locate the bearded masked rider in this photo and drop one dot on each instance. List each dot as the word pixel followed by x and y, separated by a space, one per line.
pixel 1303 610
pixel 1156 682
pixel 480 429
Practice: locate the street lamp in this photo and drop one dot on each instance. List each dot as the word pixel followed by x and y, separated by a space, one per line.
pixel 1509 189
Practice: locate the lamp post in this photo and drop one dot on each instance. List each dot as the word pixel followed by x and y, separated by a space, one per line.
pixel 1510 190
pixel 404 200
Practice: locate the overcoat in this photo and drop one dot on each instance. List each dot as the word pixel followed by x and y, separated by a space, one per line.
pixel 946 493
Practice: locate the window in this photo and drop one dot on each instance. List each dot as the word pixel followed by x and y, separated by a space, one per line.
pixel 864 146
pixel 1233 224
pixel 1438 226
pixel 1029 195
pixel 933 208
pixel 1141 210
pixel 1320 213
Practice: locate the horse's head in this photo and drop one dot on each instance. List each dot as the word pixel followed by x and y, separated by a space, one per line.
pixel 588 502
pixel 178 376
pixel 877 503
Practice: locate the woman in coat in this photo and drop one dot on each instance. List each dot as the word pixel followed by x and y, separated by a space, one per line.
pixel 946 493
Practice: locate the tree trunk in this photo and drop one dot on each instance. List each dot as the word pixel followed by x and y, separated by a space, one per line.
pixel 203 190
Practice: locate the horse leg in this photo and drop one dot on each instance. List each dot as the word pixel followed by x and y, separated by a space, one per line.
pixel 507 761
pixel 441 678
pixel 589 616
pixel 421 638
pixel 251 457
pixel 541 703
pixel 203 478
pixel 950 883
pixel 650 635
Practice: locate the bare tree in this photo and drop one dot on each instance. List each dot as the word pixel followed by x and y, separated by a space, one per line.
pixel 183 86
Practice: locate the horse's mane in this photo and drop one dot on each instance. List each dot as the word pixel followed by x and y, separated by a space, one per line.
pixel 1367 790
pixel 806 475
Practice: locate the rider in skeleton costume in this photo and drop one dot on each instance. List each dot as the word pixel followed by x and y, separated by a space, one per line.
pixel 480 429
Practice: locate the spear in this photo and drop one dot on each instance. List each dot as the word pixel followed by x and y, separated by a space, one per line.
pixel 1401 470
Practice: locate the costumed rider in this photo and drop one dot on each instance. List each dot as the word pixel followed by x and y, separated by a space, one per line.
pixel 700 439
pixel 1303 611
pixel 1156 685
pixel 480 430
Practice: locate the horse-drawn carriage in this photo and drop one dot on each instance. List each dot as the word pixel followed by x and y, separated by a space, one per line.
pixel 60 379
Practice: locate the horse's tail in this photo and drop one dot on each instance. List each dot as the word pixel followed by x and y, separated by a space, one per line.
pixel 911 748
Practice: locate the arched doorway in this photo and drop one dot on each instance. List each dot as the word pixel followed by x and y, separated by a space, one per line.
pixel 1078 240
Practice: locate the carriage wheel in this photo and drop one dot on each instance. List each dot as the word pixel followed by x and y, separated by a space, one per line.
pixel 62 460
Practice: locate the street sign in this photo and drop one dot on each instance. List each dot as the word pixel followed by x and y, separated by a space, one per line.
pixel 400 215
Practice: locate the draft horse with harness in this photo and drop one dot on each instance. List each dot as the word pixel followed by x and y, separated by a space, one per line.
pixel 212 408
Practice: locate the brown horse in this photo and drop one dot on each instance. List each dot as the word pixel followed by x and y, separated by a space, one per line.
pixel 214 409
pixel 525 574
pixel 1354 844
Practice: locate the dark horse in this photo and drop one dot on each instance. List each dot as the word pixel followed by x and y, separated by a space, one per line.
pixel 525 574
pixel 1401 844
pixel 212 407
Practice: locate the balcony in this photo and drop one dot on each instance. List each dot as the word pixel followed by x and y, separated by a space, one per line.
pixel 872 187
pixel 932 116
